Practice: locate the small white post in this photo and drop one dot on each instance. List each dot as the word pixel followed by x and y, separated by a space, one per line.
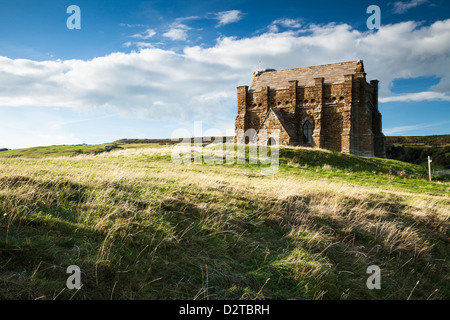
pixel 429 168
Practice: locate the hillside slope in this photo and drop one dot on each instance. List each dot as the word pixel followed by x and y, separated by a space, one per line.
pixel 417 149
pixel 140 226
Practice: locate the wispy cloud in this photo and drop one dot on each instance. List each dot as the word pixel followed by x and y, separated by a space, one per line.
pixel 417 96
pixel 181 19
pixel 226 17
pixel 286 23
pixel 145 35
pixel 138 44
pixel 412 128
pixel 403 6
pixel 133 25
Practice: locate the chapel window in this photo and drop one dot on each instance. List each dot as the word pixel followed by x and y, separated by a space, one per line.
pixel 307 132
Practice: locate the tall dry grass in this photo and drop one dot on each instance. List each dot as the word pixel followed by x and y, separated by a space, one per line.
pixel 330 228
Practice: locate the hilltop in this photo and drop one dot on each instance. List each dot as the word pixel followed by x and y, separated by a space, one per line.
pixel 417 149
pixel 141 227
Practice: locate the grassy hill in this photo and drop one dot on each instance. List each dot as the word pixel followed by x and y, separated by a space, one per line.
pixel 424 141
pixel 140 226
pixel 417 149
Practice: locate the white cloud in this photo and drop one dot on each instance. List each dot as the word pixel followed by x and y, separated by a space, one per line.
pixel 176 34
pixel 142 45
pixel 138 44
pixel 403 50
pixel 285 22
pixel 418 96
pixel 133 25
pixel 187 18
pixel 178 31
pixel 200 82
pixel 412 128
pixel 226 17
pixel 403 6
pixel 145 35
pixel 151 83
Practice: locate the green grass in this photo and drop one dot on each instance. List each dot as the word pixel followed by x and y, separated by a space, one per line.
pixel 141 227
pixel 363 171
pixel 417 149
pixel 53 151
pixel 72 150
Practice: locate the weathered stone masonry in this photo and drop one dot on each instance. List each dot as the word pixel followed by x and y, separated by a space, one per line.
pixel 328 106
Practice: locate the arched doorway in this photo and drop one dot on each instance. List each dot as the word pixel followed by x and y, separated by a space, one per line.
pixel 271 142
pixel 307 132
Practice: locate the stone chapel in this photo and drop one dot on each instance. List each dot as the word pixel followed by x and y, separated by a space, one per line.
pixel 329 106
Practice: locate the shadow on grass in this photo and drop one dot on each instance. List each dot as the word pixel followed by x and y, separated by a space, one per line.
pixel 195 245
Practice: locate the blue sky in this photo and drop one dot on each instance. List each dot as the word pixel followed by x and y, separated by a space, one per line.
pixel 150 69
